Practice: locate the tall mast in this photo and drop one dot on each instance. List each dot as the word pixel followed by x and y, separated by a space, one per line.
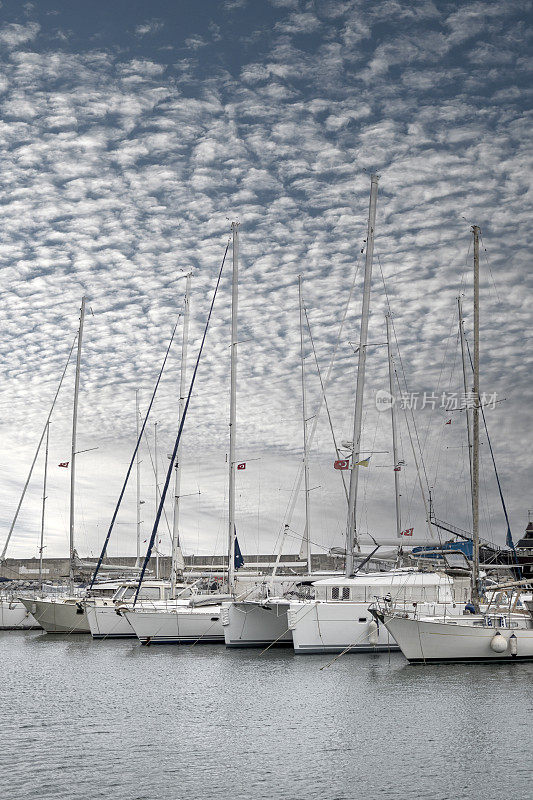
pixel 351 529
pixel 138 476
pixel 177 558
pixel 306 542
pixel 233 406
pixel 394 434
pixel 73 451
pixel 156 499
pixel 475 442
pixel 465 387
pixel 41 543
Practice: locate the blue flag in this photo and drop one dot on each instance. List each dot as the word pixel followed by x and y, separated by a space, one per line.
pixel 238 560
pixel 509 539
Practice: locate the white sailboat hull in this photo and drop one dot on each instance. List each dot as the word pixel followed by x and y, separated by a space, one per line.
pixel 429 641
pixel 259 624
pixel 185 625
pixel 106 622
pixel 15 616
pixel 58 615
pixel 333 627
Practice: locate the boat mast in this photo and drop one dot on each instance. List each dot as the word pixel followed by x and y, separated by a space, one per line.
pixel 176 569
pixel 41 543
pixel 156 499
pixel 306 542
pixel 465 387
pixel 475 430
pixel 233 407
pixel 394 434
pixel 351 527
pixel 138 468
pixel 73 451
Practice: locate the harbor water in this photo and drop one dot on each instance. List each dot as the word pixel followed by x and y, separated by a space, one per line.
pixel 114 720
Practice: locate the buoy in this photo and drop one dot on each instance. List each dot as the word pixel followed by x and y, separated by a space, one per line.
pixel 373 633
pixel 513 644
pixel 498 643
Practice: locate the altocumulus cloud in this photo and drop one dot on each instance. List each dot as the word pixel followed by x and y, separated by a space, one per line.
pixel 127 146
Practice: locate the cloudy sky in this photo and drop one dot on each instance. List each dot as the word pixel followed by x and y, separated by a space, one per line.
pixel 132 133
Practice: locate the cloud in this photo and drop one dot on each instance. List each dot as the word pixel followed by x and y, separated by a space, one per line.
pixel 150 27
pixel 123 165
pixel 13 34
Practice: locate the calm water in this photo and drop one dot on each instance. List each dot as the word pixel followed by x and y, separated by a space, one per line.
pixel 114 720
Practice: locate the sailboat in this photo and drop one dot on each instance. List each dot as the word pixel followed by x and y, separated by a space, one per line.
pixel 502 632
pixel 107 620
pixel 198 617
pixel 336 619
pixel 65 614
pixel 262 621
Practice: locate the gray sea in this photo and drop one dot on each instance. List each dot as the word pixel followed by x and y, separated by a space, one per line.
pixel 114 720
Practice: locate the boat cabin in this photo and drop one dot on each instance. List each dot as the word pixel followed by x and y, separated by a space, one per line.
pixel 403 586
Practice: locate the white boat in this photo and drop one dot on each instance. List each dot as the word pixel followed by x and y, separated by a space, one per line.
pixel 260 623
pixel 338 619
pixel 15 616
pixel 106 618
pixel 199 619
pixel 259 619
pixel 67 614
pixel 500 633
pixel 58 614
pixel 178 622
pixel 495 636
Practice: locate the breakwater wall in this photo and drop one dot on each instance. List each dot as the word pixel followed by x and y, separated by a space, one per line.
pixel 57 569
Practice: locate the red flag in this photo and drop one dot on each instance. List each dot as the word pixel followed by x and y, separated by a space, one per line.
pixel 407 532
pixel 397 469
pixel 241 466
pixel 63 464
pixel 449 422
pixel 342 464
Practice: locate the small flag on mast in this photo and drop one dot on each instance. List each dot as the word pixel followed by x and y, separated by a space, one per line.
pixel 449 422
pixel 342 464
pixel 241 466
pixel 63 464
pixel 364 462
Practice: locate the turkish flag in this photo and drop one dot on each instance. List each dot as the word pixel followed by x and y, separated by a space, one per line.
pixel 241 466
pixel 342 464
pixel 63 464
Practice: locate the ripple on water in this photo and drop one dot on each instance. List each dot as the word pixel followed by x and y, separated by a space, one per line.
pixel 84 719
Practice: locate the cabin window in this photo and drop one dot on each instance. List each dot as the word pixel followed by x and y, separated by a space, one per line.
pixel 149 593
pixel 362 619
pixel 335 593
pixel 345 592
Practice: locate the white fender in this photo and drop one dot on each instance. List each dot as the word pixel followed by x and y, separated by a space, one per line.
pixel 373 632
pixel 498 643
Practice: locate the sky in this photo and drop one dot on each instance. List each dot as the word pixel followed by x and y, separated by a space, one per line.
pixel 133 133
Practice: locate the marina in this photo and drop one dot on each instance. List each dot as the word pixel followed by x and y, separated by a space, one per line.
pixel 266 521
